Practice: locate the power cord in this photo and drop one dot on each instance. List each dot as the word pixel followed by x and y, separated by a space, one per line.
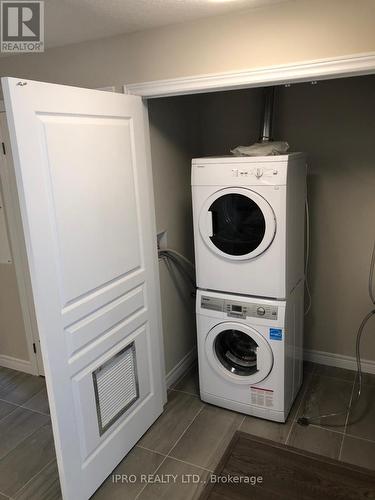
pixel 305 419
pixel 181 263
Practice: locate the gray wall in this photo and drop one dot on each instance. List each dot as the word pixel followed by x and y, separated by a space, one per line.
pixel 172 147
pixel 12 329
pixel 335 123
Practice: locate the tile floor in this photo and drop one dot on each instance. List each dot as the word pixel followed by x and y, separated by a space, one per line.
pixel 188 438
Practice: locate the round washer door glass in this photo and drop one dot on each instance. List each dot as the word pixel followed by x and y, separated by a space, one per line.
pixel 237 352
pixel 237 223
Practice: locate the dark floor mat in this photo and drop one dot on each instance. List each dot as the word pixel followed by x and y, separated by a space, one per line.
pixel 277 471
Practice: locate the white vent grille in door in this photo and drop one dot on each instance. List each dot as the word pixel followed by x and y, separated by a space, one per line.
pixel 116 387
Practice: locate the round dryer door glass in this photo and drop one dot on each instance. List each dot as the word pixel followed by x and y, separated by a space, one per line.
pixel 238 224
pixel 237 352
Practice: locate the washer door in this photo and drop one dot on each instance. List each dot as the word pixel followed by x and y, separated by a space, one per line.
pixel 237 223
pixel 238 353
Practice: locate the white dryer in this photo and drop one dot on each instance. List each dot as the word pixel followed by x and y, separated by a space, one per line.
pixel 250 352
pixel 249 223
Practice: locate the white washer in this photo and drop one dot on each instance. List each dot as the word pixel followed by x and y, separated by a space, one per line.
pixel 249 223
pixel 250 352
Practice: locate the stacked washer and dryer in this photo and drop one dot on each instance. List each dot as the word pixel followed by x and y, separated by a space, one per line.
pixel 249 248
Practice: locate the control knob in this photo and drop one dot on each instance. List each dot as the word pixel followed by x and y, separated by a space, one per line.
pixel 261 311
pixel 258 173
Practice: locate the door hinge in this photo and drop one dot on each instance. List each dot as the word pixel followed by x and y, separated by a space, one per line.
pixel 34 348
pixel 3 146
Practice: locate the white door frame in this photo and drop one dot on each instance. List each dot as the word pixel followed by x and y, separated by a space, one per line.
pixel 35 364
pixel 320 69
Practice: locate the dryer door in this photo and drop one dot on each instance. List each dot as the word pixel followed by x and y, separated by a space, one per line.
pixel 237 223
pixel 239 353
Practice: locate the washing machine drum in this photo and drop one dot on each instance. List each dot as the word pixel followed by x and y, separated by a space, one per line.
pixel 239 352
pixel 237 223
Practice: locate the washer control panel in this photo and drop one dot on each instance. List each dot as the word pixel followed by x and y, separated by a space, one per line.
pixel 239 309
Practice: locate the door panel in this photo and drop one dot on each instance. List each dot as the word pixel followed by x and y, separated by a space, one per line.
pixel 86 201
pixel 100 211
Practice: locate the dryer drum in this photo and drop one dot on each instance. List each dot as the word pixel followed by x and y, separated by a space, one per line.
pixel 238 224
pixel 237 352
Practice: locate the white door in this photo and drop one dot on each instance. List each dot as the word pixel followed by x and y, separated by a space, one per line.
pixel 84 183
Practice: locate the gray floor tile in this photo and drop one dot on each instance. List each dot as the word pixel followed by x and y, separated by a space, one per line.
pixel 178 414
pixel 327 395
pixel 26 460
pixel 333 371
pixel 316 439
pixel 206 439
pixel 6 408
pixel 39 402
pixel 6 374
pixel 362 415
pixel 178 488
pixel 17 426
pixel 189 383
pixel 309 367
pixel 19 387
pixel 358 452
pixel 266 429
pixel 368 378
pixel 138 462
pixel 274 430
pixel 45 486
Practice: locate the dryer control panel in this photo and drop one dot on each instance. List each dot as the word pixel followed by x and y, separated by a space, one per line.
pixel 239 309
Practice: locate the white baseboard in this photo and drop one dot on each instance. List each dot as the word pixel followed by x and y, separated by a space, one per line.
pixel 21 365
pixel 181 367
pixel 338 360
pixel 320 357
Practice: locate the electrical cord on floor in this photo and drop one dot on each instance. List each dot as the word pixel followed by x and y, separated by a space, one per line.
pixel 305 419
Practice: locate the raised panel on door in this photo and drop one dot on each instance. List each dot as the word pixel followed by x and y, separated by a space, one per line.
pixel 86 202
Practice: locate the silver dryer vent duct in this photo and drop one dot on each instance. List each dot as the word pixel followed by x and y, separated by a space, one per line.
pixel 266 133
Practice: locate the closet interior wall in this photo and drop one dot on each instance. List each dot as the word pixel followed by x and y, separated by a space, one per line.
pixel 333 122
pixel 173 134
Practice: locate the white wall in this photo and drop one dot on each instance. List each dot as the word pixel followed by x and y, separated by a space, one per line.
pixel 284 33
